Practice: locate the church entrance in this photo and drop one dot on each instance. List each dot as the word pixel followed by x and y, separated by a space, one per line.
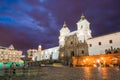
pixel 72 53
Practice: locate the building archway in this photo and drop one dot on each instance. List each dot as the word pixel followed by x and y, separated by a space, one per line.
pixel 72 53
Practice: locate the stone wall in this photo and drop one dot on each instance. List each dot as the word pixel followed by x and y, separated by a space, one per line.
pixel 73 47
pixel 101 60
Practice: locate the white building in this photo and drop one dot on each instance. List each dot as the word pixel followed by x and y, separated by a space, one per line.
pixel 52 53
pixel 46 54
pixel 83 31
pixel 96 46
pixel 34 54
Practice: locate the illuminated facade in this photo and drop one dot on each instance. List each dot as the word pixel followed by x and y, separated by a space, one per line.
pixel 81 43
pixel 31 52
pixel 104 44
pixel 83 31
pixel 74 43
pixel 10 54
pixel 51 53
pixel 34 54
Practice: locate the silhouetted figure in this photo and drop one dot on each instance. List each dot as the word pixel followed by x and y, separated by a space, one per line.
pixel 14 68
pixel 14 71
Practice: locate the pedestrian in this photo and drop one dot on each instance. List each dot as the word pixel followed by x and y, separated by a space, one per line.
pixel 14 68
pixel 14 71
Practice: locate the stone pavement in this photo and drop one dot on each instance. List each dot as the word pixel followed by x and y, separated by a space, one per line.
pixel 66 73
pixel 85 73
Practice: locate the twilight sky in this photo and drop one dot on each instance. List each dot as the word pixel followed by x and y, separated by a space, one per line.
pixel 28 23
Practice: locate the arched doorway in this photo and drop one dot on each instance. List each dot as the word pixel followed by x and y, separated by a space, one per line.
pixel 72 53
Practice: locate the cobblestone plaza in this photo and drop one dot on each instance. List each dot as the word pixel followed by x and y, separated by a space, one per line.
pixel 63 73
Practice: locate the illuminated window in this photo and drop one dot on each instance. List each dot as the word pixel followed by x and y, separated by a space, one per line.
pixel 99 43
pixel 110 41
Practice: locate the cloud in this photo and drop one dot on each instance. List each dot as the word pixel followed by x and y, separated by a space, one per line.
pixel 33 22
pixel 42 1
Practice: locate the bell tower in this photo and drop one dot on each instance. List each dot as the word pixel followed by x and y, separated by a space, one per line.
pixel 83 29
pixel 39 48
pixel 63 32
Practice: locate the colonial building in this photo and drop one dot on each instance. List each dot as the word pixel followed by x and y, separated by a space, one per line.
pixel 81 43
pixel 34 54
pixel 31 52
pixel 109 43
pixel 51 53
pixel 74 43
pixel 9 54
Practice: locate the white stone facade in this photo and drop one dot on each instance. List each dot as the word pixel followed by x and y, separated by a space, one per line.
pixel 63 32
pixel 83 31
pixel 36 56
pixel 51 52
pixel 46 54
pixel 98 45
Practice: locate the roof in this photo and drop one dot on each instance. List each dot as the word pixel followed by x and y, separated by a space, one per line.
pixel 105 35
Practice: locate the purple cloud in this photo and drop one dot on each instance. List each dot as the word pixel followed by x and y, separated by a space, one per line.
pixel 29 23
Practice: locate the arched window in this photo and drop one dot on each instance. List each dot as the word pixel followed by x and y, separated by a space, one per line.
pixel 72 53
pixel 82 51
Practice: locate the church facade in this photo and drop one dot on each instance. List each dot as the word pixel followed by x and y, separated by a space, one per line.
pixel 74 43
pixel 74 47
pixel 81 43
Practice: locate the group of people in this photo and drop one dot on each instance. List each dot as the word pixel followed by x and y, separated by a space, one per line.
pixel 112 50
